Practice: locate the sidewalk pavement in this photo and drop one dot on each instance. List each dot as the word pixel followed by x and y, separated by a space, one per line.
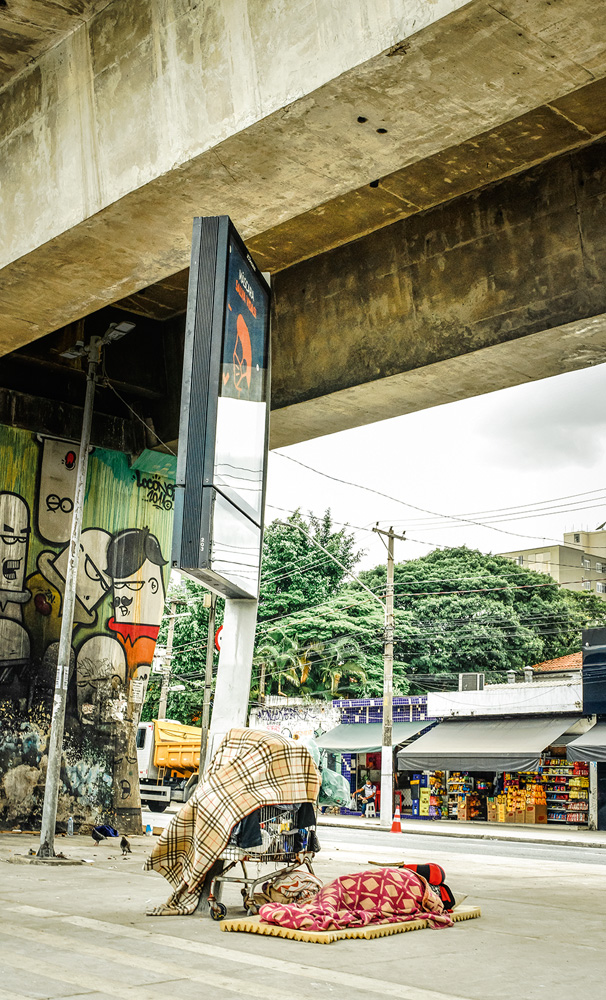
pixel 561 836
pixel 80 931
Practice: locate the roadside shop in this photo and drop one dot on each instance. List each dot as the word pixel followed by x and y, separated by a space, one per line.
pixel 591 747
pixel 359 748
pixel 506 770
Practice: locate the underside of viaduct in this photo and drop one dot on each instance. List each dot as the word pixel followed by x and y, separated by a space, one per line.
pixel 426 191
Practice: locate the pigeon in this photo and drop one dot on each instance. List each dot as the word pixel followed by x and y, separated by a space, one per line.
pixel 99 833
pixel 125 845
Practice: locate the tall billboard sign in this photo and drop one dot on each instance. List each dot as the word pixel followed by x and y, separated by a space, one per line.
pixel 223 432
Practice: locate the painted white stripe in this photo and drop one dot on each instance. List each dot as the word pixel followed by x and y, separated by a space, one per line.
pixel 169 969
pixel 401 991
pixel 6 995
pixel 35 911
pixel 90 982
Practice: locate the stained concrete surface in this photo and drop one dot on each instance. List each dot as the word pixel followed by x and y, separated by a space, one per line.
pixel 82 932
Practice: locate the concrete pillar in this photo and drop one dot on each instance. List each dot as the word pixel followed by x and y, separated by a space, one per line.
pixel 232 688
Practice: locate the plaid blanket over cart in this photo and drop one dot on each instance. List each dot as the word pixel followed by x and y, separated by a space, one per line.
pixel 249 770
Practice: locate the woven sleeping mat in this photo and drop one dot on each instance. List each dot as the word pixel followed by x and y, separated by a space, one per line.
pixel 253 925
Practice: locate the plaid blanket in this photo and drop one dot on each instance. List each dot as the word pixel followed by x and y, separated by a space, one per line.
pixel 382 896
pixel 250 769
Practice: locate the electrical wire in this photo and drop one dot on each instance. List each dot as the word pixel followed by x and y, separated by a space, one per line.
pixel 405 503
pixel 106 382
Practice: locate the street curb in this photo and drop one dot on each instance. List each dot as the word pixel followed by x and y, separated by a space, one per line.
pixel 544 842
pixel 24 859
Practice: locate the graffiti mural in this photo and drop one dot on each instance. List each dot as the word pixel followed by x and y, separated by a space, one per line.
pixel 14 540
pixel 120 595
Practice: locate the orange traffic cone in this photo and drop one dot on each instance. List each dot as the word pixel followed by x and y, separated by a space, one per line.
pixel 396 826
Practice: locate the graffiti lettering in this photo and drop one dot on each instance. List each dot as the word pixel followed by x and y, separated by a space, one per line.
pixel 159 493
pixel 64 504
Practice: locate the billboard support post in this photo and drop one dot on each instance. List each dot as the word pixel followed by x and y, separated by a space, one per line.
pixel 232 690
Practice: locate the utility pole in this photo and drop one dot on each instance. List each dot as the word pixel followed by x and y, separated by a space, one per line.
pixel 387 741
pixel 208 682
pixel 262 684
pixel 166 671
pixel 55 741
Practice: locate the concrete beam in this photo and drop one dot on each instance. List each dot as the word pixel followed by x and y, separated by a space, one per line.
pixel 154 112
pixel 29 28
pixel 491 290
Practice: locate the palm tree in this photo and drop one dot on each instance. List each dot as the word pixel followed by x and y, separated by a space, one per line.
pixel 343 656
pixel 278 656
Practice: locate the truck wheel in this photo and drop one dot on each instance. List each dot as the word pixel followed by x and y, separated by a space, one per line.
pixel 157 807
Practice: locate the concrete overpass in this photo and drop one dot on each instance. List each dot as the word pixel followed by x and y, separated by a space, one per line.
pixel 424 180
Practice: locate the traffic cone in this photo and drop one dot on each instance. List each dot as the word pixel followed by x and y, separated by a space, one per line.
pixel 396 826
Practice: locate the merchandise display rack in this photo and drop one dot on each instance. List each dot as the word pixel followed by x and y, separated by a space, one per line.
pixel 567 790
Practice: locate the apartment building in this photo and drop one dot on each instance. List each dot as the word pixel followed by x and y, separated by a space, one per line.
pixel 579 563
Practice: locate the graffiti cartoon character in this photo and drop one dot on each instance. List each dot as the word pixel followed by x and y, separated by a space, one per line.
pixel 92 582
pixel 57 490
pixel 134 562
pixel 14 539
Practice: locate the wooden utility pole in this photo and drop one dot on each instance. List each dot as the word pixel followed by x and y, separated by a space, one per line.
pixel 387 741
pixel 166 672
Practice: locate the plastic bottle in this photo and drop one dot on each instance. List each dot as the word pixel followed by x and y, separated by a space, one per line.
pixel 148 830
pixel 70 826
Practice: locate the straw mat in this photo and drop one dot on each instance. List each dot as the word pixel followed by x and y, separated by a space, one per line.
pixel 253 925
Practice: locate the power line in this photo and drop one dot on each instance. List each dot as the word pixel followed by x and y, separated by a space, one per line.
pixel 405 503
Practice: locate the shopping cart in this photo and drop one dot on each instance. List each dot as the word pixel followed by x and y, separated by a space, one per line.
pixel 284 844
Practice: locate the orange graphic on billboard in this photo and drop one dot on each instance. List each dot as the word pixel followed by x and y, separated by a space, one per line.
pixel 242 356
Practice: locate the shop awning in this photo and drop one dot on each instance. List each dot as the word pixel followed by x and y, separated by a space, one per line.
pixel 366 737
pixel 590 746
pixel 484 744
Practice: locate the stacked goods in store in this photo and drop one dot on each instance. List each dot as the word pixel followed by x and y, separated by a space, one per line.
pixel 437 793
pixel 567 790
pixel 536 803
pixel 516 801
pixel 459 785
pixel 470 806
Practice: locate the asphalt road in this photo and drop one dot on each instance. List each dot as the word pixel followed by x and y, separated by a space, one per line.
pixel 353 840
pixel 345 838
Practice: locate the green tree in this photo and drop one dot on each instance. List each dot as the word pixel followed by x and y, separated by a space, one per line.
pixel 339 644
pixel 189 655
pixel 461 610
pixel 277 656
pixel 296 574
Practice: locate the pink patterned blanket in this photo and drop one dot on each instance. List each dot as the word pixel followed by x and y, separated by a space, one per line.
pixel 381 896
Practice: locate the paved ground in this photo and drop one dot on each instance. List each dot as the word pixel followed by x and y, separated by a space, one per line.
pixel 81 931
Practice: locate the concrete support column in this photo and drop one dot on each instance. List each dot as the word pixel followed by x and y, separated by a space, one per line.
pixel 232 687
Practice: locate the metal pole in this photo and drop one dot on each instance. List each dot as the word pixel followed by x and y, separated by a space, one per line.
pixel 55 743
pixel 387 739
pixel 166 672
pixel 592 818
pixel 208 682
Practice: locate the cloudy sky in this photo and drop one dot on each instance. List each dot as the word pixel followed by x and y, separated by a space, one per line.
pixel 542 444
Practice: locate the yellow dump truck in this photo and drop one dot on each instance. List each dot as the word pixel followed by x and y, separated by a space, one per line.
pixel 168 754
